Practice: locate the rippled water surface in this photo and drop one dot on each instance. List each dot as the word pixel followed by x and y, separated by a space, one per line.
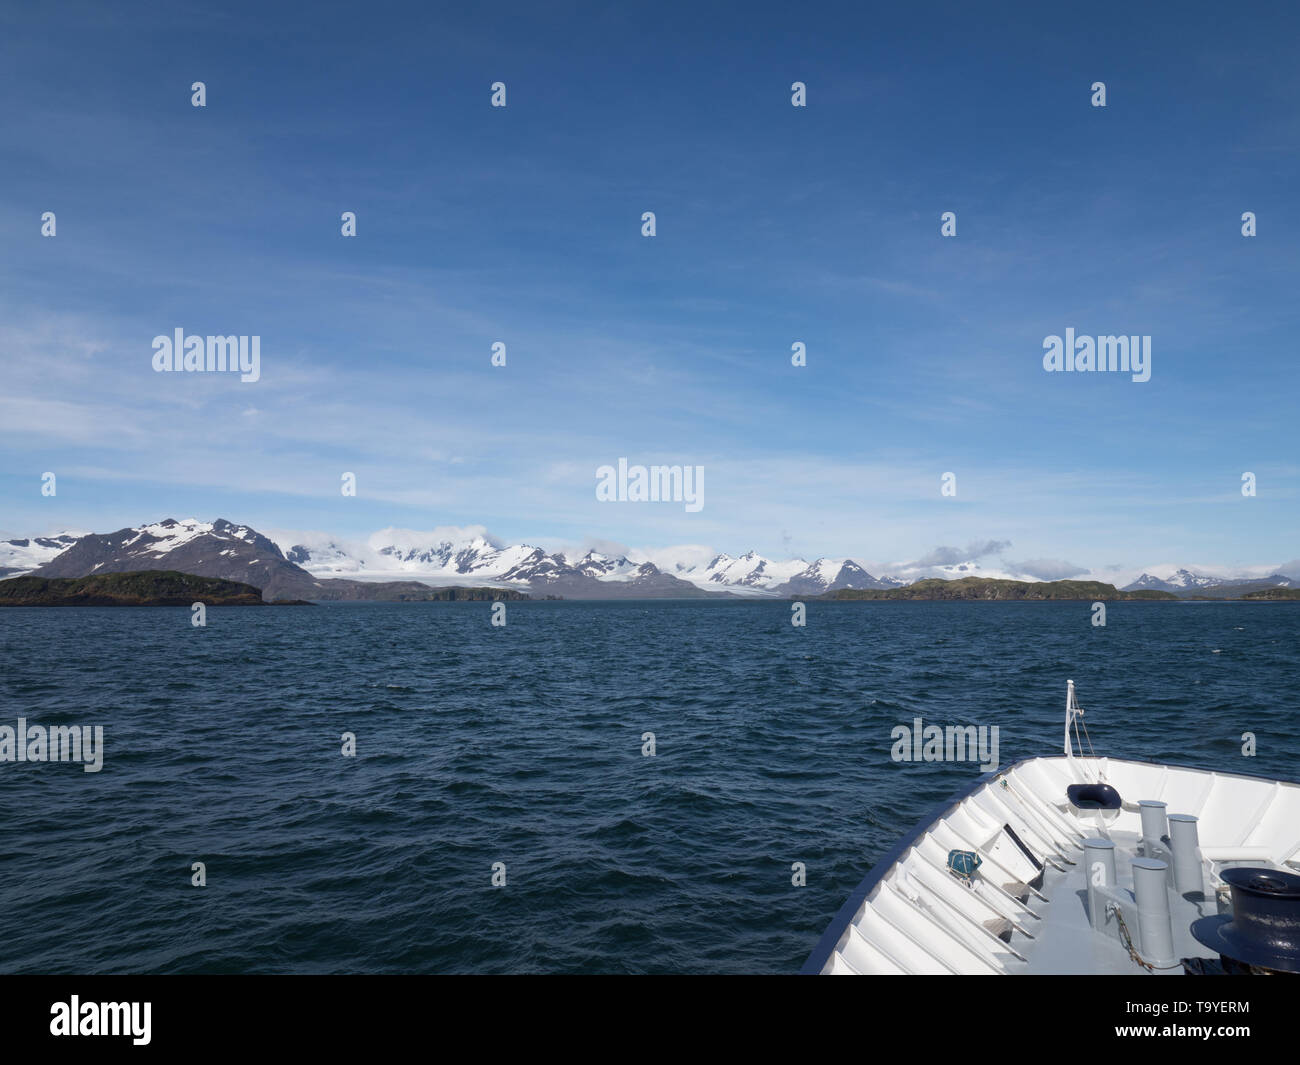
pixel 522 745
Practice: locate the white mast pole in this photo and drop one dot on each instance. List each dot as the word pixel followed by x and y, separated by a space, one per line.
pixel 1069 716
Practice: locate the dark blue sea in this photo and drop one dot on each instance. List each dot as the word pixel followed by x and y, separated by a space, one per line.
pixel 523 745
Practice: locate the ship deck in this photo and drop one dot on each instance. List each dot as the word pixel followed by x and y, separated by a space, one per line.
pixel 1025 912
pixel 1065 941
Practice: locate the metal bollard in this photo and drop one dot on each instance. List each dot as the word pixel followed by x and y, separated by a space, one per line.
pixel 1099 866
pixel 1185 844
pixel 1150 880
pixel 1154 825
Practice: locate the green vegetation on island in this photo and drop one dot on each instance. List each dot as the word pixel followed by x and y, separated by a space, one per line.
pixel 1272 594
pixel 142 588
pixel 427 594
pixel 173 588
pixel 997 589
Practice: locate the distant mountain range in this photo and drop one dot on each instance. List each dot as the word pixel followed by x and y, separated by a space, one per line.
pixel 397 564
pixel 1184 582
pixel 217 549
pixel 473 557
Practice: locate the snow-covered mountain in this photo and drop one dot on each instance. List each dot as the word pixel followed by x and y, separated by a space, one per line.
pixel 393 553
pixel 750 571
pixel 325 568
pixel 602 567
pixel 470 556
pixel 289 563
pixel 830 575
pixel 466 556
pixel 1179 581
pixel 205 549
pixel 402 563
pixel 1183 581
pixel 951 571
pixel 23 556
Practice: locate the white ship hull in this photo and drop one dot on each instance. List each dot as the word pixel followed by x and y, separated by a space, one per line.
pixel 1029 908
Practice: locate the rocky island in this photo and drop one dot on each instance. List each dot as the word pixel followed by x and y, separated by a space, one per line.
pixel 986 588
pixel 143 588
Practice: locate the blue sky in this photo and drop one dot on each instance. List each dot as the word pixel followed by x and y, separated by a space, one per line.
pixel 775 224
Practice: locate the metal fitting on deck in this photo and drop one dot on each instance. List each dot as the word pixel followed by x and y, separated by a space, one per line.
pixel 1185 844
